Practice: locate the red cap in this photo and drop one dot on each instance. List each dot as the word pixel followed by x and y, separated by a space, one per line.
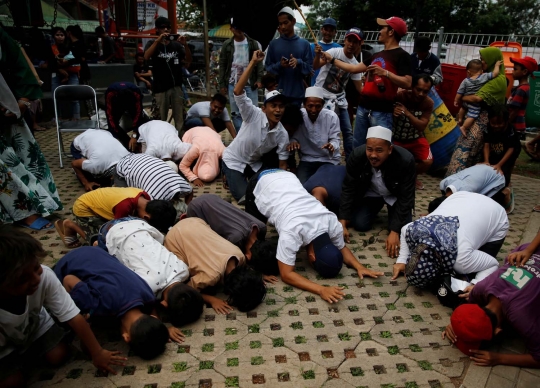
pixel 471 326
pixel 528 63
pixel 397 24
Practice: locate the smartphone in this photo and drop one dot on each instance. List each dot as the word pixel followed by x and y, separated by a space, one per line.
pixel 173 36
pixel 285 59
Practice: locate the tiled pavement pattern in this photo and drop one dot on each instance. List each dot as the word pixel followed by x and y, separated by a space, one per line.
pixel 384 334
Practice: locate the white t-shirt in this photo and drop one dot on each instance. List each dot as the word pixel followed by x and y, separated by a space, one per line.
pixel 18 332
pixel 202 109
pixel 101 150
pixel 240 60
pixel 298 217
pixel 162 140
pixel 481 220
pixel 139 246
pixel 334 80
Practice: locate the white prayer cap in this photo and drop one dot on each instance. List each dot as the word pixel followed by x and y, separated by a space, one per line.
pixel 287 10
pixel 172 165
pixel 379 132
pixel 315 91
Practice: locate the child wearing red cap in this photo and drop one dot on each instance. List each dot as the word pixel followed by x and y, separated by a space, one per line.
pixel 517 103
pixel 510 295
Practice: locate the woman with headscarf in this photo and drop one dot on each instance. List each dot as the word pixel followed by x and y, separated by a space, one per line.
pixel 468 149
pixel 27 189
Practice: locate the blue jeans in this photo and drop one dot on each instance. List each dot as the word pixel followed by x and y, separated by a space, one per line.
pixel 63 111
pixel 346 131
pixel 365 119
pixel 366 212
pixel 219 124
pixel 307 169
pixel 235 113
pixel 236 180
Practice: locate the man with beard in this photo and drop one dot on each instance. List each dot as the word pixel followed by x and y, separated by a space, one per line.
pixel 317 138
pixel 412 111
pixel 378 173
pixel 333 80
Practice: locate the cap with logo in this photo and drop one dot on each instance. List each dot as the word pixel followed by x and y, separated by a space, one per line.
pixel 397 24
pixel 273 95
pixel 355 31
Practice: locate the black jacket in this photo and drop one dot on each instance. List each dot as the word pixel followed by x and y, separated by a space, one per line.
pixel 399 175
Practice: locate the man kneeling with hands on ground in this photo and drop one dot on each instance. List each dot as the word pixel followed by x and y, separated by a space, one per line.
pixel 301 220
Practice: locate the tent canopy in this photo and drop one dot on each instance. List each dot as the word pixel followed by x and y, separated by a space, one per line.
pixel 221 32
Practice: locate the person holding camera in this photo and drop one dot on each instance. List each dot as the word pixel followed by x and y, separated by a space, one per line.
pixel 168 53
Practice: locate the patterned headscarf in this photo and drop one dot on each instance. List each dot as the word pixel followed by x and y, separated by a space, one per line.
pixel 432 241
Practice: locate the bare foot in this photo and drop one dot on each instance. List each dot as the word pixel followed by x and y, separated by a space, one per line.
pixel 71 229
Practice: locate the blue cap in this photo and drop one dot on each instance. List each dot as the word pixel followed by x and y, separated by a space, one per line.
pixel 329 22
pixel 355 31
pixel 328 259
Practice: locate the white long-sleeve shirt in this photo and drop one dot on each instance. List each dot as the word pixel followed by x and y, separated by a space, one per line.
pixel 481 220
pixel 313 135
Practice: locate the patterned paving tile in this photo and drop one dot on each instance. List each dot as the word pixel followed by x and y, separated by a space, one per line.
pixel 384 334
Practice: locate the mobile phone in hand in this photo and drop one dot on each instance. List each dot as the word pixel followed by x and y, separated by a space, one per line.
pixel 173 37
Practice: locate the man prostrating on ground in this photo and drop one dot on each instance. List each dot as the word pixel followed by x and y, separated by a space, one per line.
pixel 301 220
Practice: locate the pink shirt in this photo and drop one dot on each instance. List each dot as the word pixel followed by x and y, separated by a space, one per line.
pixel 207 148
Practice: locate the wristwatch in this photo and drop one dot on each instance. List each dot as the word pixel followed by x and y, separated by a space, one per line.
pixel 134 136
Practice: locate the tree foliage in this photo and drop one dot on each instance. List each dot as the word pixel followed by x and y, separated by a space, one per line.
pixel 472 16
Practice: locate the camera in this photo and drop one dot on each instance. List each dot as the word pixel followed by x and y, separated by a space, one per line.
pixel 172 37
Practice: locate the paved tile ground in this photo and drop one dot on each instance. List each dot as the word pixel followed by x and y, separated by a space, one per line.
pixel 384 334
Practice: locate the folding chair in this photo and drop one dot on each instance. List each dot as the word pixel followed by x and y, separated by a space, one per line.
pixel 71 93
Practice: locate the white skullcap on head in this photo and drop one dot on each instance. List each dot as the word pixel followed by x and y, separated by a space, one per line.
pixel 379 132
pixel 287 10
pixel 172 165
pixel 315 91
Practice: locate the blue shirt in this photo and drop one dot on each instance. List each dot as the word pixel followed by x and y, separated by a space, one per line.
pixel 331 178
pixel 107 287
pixel 289 79
pixel 325 47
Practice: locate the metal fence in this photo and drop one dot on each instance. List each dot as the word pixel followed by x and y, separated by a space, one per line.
pixel 453 48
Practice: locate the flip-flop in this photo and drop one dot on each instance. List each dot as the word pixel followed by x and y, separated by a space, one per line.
pixel 69 241
pixel 419 185
pixel 511 205
pixel 38 224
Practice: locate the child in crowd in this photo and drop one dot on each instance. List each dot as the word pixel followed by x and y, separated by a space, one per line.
pixel 269 82
pixel 104 288
pixel 517 103
pixel 139 246
pixel 501 149
pixel 142 73
pixel 241 229
pixel 468 113
pixel 159 139
pixel 93 209
pixel 213 260
pixel 201 163
pixel 29 294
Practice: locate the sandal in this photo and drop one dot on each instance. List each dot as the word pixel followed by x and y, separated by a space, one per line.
pixel 39 223
pixel 510 205
pixel 536 208
pixel 69 241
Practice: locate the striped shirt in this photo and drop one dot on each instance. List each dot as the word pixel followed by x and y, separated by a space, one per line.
pixel 518 100
pixel 152 175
